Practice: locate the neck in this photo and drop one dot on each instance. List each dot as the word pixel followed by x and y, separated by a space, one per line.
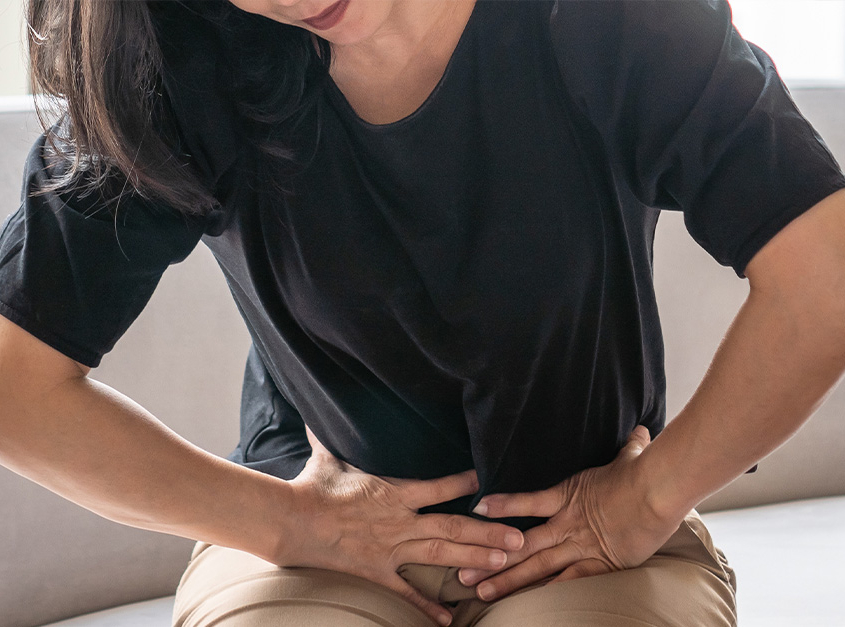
pixel 412 30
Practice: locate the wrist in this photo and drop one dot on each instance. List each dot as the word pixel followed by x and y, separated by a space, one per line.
pixel 657 482
pixel 261 516
pixel 279 522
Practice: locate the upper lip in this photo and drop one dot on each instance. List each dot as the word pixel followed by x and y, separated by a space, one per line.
pixel 323 13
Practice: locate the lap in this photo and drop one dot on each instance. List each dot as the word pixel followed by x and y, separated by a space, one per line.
pixel 226 588
pixel 687 582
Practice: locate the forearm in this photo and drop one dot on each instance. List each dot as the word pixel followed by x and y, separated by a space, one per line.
pixel 782 355
pixel 97 448
pixel 767 378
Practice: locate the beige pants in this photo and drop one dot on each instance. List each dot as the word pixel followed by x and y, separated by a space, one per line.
pixel 687 583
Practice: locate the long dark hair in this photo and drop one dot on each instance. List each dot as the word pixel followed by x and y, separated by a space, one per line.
pixel 103 60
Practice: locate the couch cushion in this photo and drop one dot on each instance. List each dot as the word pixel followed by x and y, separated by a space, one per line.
pixel 155 613
pixel 789 559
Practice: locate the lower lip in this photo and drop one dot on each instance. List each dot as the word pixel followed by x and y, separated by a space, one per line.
pixel 330 19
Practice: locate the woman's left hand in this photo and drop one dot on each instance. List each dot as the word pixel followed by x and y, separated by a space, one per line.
pixel 599 522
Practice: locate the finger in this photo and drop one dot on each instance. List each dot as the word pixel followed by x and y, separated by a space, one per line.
pixel 471 576
pixel 321 457
pixel 466 530
pixel 444 553
pixel 545 503
pixel 436 612
pixel 586 568
pixel 418 494
pixel 537 539
pixel 319 466
pixel 639 439
pixel 537 567
pixel 317 447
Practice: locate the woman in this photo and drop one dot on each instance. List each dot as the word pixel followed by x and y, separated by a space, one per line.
pixel 436 219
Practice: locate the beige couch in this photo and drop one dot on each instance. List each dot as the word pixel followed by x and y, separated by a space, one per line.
pixel 183 360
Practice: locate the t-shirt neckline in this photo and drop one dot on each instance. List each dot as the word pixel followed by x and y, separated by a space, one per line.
pixel 339 99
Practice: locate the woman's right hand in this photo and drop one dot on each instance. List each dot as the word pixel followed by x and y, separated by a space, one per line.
pixel 350 521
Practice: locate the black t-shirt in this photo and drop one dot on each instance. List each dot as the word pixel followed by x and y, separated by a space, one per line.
pixel 470 286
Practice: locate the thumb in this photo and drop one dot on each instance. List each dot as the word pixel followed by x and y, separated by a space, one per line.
pixel 639 439
pixel 321 460
pixel 317 448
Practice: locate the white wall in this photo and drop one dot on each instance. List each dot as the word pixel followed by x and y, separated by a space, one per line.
pixel 806 38
pixel 13 80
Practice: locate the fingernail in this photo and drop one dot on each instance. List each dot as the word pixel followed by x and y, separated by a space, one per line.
pixel 480 509
pixel 498 559
pixel 486 591
pixel 468 577
pixel 445 619
pixel 513 540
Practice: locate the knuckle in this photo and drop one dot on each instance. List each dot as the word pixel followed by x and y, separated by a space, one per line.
pixel 410 594
pixel 560 497
pixel 546 561
pixel 416 598
pixel 383 491
pixel 529 545
pixel 435 551
pixel 453 527
pixel 559 535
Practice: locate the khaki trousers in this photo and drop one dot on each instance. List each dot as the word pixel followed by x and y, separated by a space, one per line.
pixel 687 583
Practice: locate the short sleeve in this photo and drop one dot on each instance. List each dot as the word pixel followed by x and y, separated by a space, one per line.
pixel 693 117
pixel 75 271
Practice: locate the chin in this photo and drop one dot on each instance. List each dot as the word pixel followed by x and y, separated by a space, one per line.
pixel 362 20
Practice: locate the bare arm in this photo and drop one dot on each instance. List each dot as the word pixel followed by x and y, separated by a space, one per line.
pixel 781 356
pixel 86 442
